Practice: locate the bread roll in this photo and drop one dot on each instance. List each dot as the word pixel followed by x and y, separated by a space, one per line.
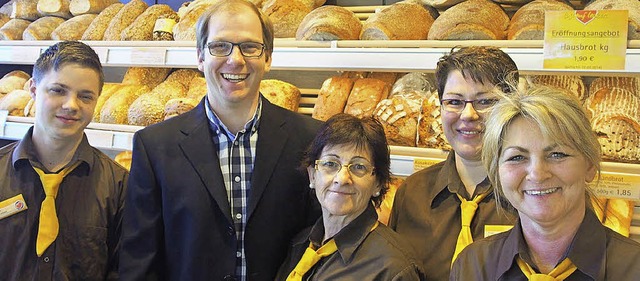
pixel 175 107
pixel 107 91
pixel 142 28
pixel 183 76
pixel 25 9
pixel 528 22
pixel 13 80
pixel 99 25
pixel 471 20
pixel 185 30
pixel 365 95
pixel 572 84
pixel 281 93
pixel 56 8
pixel 148 76
pixel 328 23
pixel 13 29
pixel 332 97
pixel 400 21
pixel 42 28
pixel 73 28
pixel 633 6
pixel 286 16
pixel 115 109
pixel 15 102
pixel 123 19
pixel 197 88
pixel 81 7
pixel 619 136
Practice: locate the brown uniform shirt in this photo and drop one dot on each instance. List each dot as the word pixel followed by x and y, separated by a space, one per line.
pixel 598 252
pixel 426 213
pixel 89 207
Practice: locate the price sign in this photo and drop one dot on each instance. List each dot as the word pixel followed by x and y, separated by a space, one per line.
pixel 148 56
pixel 586 39
pixel 615 185
pixel 421 163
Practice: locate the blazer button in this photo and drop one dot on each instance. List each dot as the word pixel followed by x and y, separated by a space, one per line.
pixel 229 278
pixel 230 231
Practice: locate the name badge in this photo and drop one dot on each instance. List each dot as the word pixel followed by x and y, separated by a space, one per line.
pixel 490 229
pixel 11 206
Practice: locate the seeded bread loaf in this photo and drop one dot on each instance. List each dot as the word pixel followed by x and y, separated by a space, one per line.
pixel 56 8
pixel 332 97
pixel 633 6
pixel 528 21
pixel 399 118
pixel 13 29
pixel 142 27
pixel 197 88
pixel 123 19
pixel 400 21
pixel 328 23
pixel 471 20
pixel 115 109
pixel 81 7
pixel 148 76
pixel 365 96
pixel 73 28
pixel 107 91
pixel 175 107
pixel 281 93
pixel 286 16
pixel 185 30
pixel 42 28
pixel 95 31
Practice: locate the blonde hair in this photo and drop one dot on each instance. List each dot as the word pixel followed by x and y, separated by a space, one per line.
pixel 559 117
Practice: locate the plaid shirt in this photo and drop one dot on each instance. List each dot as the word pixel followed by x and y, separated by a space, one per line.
pixel 237 155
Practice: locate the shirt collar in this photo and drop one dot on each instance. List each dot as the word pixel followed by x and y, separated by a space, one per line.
pixel 25 152
pixel 448 182
pixel 217 125
pixel 587 251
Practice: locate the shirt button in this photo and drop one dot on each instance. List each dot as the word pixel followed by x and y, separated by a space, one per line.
pixel 238 254
pixel 235 142
pixel 46 259
pixel 238 216
pixel 236 179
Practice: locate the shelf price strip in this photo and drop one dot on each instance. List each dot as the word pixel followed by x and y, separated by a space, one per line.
pixel 617 185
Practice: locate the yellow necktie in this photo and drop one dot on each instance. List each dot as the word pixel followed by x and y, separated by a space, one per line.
pixel 468 210
pixel 48 226
pixel 310 258
pixel 559 273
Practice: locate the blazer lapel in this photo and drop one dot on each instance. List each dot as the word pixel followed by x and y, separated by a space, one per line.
pixel 198 148
pixel 272 137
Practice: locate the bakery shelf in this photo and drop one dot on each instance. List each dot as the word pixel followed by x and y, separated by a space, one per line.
pixel 401 55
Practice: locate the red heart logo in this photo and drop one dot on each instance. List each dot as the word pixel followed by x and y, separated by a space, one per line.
pixel 585 16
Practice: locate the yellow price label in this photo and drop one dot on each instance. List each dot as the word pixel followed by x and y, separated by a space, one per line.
pixel 585 39
pixel 616 185
pixel 421 163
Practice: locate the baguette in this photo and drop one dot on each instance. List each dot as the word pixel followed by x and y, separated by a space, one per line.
pixel 142 27
pixel 56 8
pixel 73 28
pixel 123 19
pixel 471 20
pixel 98 26
pixel 42 28
pixel 81 7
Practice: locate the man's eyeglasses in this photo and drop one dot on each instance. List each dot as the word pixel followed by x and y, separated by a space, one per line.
pixel 330 167
pixel 224 48
pixel 458 105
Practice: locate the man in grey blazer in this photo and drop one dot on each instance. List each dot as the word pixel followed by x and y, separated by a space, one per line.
pixel 214 193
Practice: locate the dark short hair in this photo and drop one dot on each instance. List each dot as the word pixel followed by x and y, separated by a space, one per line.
pixel 486 65
pixel 67 52
pixel 365 133
pixel 202 26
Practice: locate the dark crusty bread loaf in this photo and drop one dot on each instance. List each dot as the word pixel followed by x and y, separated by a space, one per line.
pixel 99 25
pixel 42 28
pixel 328 23
pixel 332 97
pixel 365 96
pixel 400 21
pixel 73 28
pixel 633 6
pixel 286 16
pixel 528 21
pixel 471 20
pixel 123 19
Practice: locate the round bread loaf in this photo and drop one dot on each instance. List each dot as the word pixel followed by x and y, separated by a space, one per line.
pixel 400 21
pixel 471 20
pixel 329 23
pixel 528 22
pixel 286 16
pixel 399 118
pixel 281 93
pixel 633 6
pixel 332 97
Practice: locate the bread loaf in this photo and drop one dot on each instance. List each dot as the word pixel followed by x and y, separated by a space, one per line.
pixel 528 22
pixel 387 77
pixel 614 100
pixel 633 6
pixel 107 91
pixel 73 28
pixel 81 7
pixel 13 29
pixel 42 28
pixel 95 31
pixel 4 18
pixel 400 21
pixel 123 19
pixel 569 83
pixel 175 107
pixel 281 93
pixel 365 96
pixel 399 118
pixel 183 76
pixel 148 76
pixel 332 97
pixel 197 88
pixel 185 30
pixel 631 84
pixel 430 132
pixel 328 23
pixel 15 102
pixel 286 16
pixel 441 3
pixel 149 107
pixel 115 109
pixel 30 108
pixel 619 136
pixel 142 28
pixel 13 80
pixel 355 74
pixel 25 9
pixel 56 8
pixel 471 20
